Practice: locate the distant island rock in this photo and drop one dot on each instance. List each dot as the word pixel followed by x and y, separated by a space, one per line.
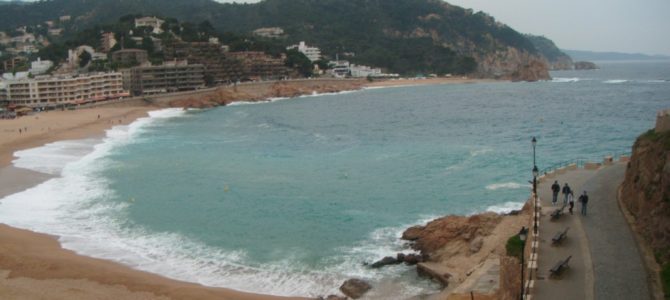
pixel 585 65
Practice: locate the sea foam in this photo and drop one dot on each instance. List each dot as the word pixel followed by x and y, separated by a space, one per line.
pixel 75 207
pixel 615 81
pixel 505 207
pixel 565 80
pixel 506 185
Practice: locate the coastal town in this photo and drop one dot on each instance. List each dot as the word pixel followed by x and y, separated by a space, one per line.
pixel 328 150
pixel 154 57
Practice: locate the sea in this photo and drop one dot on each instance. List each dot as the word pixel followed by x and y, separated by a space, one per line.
pixel 294 196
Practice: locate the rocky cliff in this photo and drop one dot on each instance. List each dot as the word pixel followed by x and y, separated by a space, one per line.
pixel 513 64
pixel 645 191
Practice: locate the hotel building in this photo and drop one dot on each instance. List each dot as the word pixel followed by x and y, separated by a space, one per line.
pixel 166 78
pixel 44 91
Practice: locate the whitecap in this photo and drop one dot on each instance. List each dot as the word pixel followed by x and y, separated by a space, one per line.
pixel 565 79
pixel 506 185
pixel 53 157
pixel 505 207
pixel 615 81
pixel 478 152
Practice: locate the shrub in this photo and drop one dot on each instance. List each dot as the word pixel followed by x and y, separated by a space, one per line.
pixel 514 246
pixel 665 280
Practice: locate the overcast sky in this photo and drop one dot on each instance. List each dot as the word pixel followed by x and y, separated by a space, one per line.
pixel 597 25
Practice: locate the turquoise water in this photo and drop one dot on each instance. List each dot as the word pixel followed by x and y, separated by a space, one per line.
pixel 291 197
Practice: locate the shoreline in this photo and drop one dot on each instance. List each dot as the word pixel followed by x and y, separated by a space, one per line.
pixel 36 263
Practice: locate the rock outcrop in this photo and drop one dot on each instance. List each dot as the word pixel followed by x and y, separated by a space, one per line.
pixel 385 262
pixel 459 231
pixel 355 288
pixel 513 64
pixel 645 191
pixel 585 65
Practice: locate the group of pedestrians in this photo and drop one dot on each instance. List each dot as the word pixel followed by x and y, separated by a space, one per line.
pixel 568 197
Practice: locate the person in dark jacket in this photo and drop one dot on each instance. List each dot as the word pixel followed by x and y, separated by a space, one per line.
pixel 555 189
pixel 584 200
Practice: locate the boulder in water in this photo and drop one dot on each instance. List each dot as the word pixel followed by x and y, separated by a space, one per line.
pixel 355 288
pixel 384 262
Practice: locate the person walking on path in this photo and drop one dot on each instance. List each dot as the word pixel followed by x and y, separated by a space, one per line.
pixel 555 189
pixel 566 192
pixel 584 200
pixel 571 201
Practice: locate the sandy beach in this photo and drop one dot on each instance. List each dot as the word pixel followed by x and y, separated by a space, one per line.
pixel 35 266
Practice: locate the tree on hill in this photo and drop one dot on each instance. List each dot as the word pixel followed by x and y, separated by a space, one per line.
pixel 297 60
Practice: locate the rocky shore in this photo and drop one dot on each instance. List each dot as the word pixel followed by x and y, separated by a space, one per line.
pixel 457 251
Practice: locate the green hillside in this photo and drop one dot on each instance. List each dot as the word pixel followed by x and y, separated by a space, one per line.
pixel 403 36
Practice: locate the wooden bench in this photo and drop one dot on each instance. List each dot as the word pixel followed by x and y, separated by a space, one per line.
pixel 557 213
pixel 560 266
pixel 560 236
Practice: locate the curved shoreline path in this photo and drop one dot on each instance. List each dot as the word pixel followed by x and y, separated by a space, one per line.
pixel 606 262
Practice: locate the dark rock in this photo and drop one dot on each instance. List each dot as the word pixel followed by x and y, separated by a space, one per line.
pixel 400 257
pixel 384 262
pixel 514 212
pixel 355 288
pixel 413 259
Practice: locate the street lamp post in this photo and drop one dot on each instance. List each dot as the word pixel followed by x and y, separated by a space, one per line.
pixel 535 174
pixel 522 236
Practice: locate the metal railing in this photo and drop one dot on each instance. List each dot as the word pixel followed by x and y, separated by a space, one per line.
pixel 580 162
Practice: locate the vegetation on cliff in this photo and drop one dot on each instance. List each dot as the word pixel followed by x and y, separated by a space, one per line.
pixel 402 36
pixel 556 58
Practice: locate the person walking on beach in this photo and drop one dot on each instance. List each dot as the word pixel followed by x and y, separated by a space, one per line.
pixel 584 199
pixel 555 188
pixel 571 201
pixel 566 192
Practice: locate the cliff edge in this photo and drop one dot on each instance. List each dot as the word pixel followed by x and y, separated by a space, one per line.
pixel 645 192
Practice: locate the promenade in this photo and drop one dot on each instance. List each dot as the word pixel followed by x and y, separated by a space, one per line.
pixel 606 263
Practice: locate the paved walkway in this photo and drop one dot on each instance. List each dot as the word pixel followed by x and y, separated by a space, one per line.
pixel 606 263
pixel 617 263
pixel 577 281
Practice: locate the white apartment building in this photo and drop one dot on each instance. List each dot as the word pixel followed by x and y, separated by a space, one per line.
pixel 152 22
pixel 44 91
pixel 313 53
pixel 40 66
